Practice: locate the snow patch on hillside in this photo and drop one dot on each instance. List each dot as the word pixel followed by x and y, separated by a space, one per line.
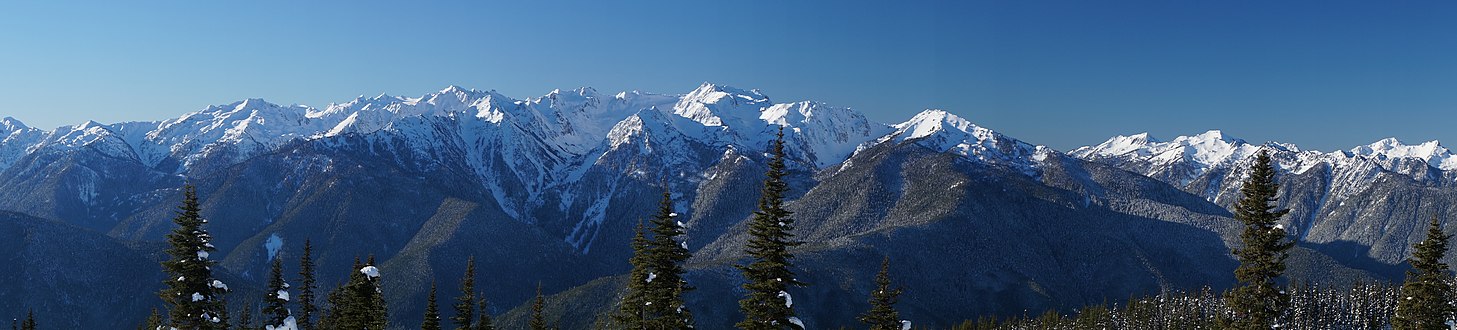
pixel 273 245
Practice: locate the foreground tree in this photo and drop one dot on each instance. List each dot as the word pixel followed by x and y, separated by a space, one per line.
pixel 275 308
pixel 632 310
pixel 1258 301
pixel 1426 296
pixel 666 253
pixel 882 314
pixel 768 304
pixel 359 304
pixel 192 292
pixel 538 317
pixel 29 323
pixel 153 321
pixel 465 311
pixel 306 308
pixel 245 318
pixel 432 312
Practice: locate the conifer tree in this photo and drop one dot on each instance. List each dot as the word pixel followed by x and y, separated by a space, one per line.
pixel 1426 301
pixel 340 302
pixel 154 320
pixel 485 322
pixel 882 314
pixel 358 304
pixel 29 323
pixel 376 303
pixel 466 302
pixel 1258 301
pixel 245 318
pixel 666 254
pixel 538 320
pixel 275 308
pixel 432 312
pixel 632 310
pixel 306 288
pixel 192 292
pixel 768 305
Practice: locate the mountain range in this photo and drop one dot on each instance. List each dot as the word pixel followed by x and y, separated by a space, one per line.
pixel 547 190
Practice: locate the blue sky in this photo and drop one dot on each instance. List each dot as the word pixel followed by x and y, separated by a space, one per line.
pixel 1321 74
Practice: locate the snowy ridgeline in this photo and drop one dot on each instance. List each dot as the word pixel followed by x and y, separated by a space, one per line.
pixel 574 124
pixel 1213 149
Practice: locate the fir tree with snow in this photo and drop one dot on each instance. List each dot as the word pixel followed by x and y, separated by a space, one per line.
pixel 882 314
pixel 275 308
pixel 192 293
pixel 465 303
pixel 1426 296
pixel 666 253
pixel 306 296
pixel 432 312
pixel 1258 300
pixel 768 304
pixel 358 304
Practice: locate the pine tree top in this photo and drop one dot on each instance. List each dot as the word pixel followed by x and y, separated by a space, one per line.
pixel 432 311
pixel 768 275
pixel 882 314
pixel 191 291
pixel 465 303
pixel 538 320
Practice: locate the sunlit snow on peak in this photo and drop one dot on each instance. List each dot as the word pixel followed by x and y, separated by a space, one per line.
pixel 1431 151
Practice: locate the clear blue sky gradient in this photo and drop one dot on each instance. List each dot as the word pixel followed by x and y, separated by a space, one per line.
pixel 1322 74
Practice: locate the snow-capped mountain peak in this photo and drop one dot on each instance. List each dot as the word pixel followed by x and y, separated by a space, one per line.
pixel 567 123
pixel 932 121
pixel 1206 149
pixel 453 89
pixel 1119 145
pixel 1390 148
pixel 946 132
pixel 715 105
pixel 9 124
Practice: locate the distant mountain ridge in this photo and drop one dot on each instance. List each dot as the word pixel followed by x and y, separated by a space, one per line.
pixel 549 188
pixel 1366 202
pixel 547 140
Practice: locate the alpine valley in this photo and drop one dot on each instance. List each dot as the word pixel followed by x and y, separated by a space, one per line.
pixel 548 190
